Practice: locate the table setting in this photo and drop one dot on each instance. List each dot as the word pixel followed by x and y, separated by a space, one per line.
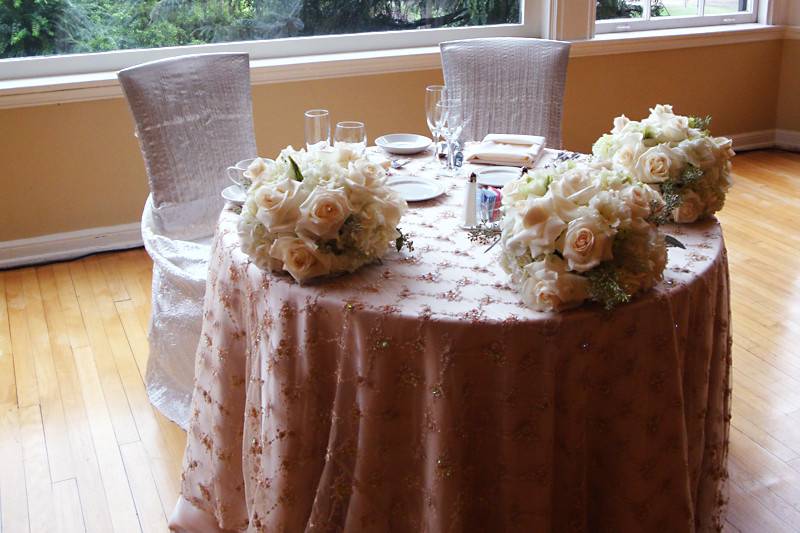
pixel 466 336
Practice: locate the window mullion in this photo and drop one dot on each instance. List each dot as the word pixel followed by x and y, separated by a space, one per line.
pixel 701 7
pixel 646 10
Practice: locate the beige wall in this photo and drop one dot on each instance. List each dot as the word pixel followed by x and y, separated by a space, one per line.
pixel 74 166
pixel 789 91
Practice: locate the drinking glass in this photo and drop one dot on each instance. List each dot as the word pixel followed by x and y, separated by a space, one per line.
pixel 433 95
pixel 352 135
pixel 450 123
pixel 318 129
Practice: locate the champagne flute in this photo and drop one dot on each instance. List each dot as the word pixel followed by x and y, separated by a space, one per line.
pixel 433 95
pixel 351 134
pixel 450 123
pixel 318 129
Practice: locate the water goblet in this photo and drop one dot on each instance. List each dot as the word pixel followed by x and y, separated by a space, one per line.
pixel 318 129
pixel 351 134
pixel 433 95
pixel 450 123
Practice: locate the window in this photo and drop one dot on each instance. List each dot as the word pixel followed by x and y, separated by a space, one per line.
pixel 51 37
pixel 636 15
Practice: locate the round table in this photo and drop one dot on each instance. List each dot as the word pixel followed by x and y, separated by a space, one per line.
pixel 420 394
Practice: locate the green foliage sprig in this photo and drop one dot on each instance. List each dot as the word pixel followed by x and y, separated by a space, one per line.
pixel 701 123
pixel 671 191
pixel 298 175
pixel 403 241
pixel 605 288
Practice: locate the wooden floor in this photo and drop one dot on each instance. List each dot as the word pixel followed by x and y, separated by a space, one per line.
pixel 82 449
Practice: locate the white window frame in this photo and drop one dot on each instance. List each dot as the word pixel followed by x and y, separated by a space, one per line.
pixel 660 23
pixel 531 13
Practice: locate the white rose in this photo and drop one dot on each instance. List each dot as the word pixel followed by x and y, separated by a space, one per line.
pixel 344 155
pixel 676 129
pixel 619 124
pixel 631 147
pixel 536 228
pixel 690 208
pixel 550 287
pixel 724 146
pixel 639 200
pixel 278 205
pixel 256 168
pixel 612 208
pixel 657 164
pixel 324 212
pixel 700 152
pixel 573 189
pixel 587 242
pixel 660 114
pixel 299 259
pixel 363 180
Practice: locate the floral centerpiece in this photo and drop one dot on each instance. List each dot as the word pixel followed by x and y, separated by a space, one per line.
pixel 576 232
pixel 318 213
pixel 675 155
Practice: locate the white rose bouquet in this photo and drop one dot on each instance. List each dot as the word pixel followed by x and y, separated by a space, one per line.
pixel 577 232
pixel 674 154
pixel 317 213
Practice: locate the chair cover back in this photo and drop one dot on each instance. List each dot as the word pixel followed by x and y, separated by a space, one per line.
pixel 194 118
pixel 508 85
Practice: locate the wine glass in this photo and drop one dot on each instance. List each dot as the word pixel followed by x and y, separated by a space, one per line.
pixel 433 95
pixel 450 123
pixel 318 129
pixel 351 134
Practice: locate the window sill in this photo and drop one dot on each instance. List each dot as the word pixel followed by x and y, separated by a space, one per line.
pixel 651 40
pixel 101 85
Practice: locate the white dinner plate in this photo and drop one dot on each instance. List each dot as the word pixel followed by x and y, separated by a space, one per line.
pixel 498 176
pixel 403 143
pixel 235 194
pixel 415 188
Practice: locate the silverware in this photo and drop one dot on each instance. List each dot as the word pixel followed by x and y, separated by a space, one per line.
pixel 400 163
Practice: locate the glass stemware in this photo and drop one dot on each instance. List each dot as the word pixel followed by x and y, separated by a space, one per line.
pixel 318 129
pixel 450 123
pixel 352 135
pixel 434 95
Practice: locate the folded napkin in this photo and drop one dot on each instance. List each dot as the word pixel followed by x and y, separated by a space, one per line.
pixel 503 149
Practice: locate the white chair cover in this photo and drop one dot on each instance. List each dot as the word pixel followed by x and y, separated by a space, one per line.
pixel 194 118
pixel 508 85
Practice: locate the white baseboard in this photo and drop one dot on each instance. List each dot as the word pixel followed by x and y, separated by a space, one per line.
pixel 755 140
pixel 787 139
pixel 69 245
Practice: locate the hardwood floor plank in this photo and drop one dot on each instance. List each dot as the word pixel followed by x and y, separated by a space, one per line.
pixel 120 501
pixel 8 385
pixel 21 348
pixel 165 460
pixel 151 513
pixel 69 306
pixel 38 483
pixel 69 515
pixel 13 491
pixel 93 501
pixel 55 430
pixel 113 391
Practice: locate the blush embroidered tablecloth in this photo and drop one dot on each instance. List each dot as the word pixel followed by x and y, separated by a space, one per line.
pixel 421 395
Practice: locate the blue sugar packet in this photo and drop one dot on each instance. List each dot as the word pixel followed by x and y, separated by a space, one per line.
pixel 488 202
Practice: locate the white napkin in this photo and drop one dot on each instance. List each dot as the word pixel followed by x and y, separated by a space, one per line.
pixel 507 149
